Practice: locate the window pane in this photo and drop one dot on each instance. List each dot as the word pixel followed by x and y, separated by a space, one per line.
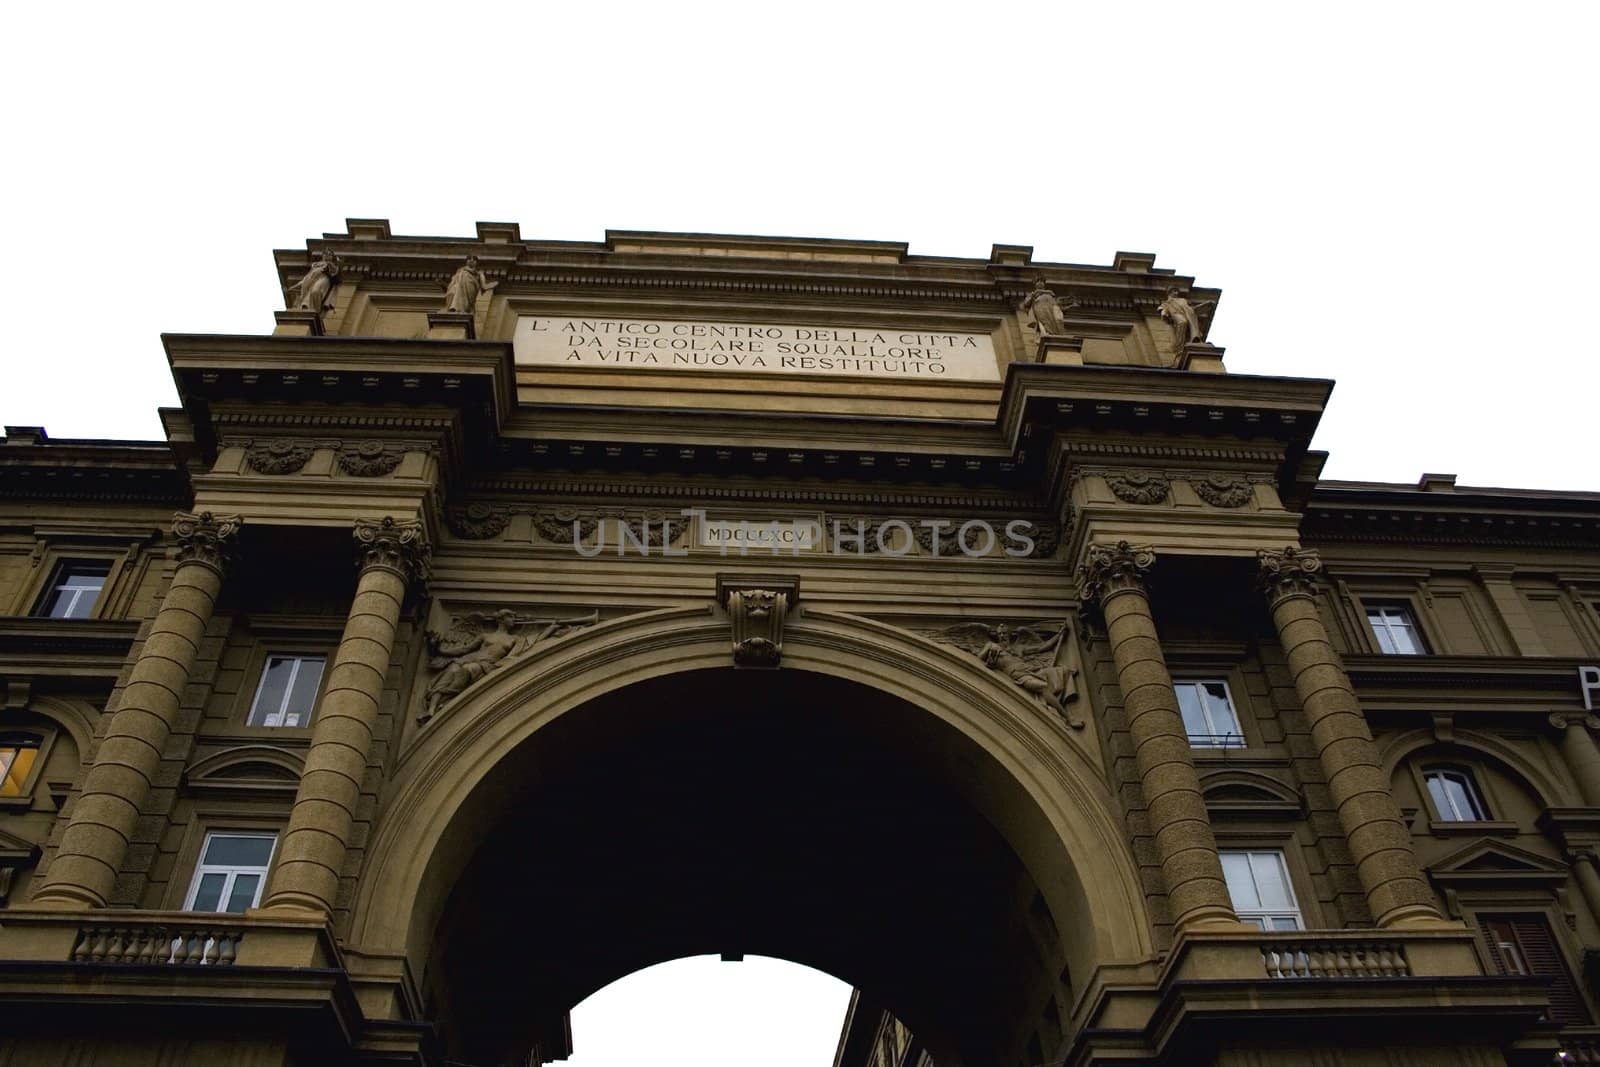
pixel 18 761
pixel 76 588
pixel 227 850
pixel 1285 922
pixel 244 892
pixel 268 708
pixel 304 691
pixel 1271 880
pixel 1194 716
pixel 1224 721
pixel 209 894
pixel 1241 884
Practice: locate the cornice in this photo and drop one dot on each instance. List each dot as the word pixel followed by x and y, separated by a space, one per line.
pixel 885 496
pixel 1467 672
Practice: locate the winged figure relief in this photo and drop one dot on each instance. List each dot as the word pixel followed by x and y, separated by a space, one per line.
pixel 481 642
pixel 1029 655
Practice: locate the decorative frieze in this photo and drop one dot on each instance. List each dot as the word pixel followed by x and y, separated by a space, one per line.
pixel 278 455
pixel 1139 487
pixel 478 521
pixel 479 643
pixel 369 459
pixel 205 538
pixel 1027 654
pixel 1222 490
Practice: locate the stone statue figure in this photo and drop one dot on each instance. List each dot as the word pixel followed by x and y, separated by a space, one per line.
pixel 1048 316
pixel 1184 317
pixel 461 291
pixel 1028 655
pixel 316 287
pixel 480 643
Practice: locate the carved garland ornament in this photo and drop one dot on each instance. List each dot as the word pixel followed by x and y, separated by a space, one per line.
pixel 564 526
pixel 398 546
pixel 205 538
pixel 1139 487
pixel 1222 491
pixel 369 459
pixel 1291 572
pixel 278 456
pixel 478 522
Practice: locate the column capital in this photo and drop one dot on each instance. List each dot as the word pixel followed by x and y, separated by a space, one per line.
pixel 205 538
pixel 1290 572
pixel 401 547
pixel 1563 720
pixel 1111 569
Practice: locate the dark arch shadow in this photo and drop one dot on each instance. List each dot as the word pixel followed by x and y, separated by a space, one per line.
pixel 784 814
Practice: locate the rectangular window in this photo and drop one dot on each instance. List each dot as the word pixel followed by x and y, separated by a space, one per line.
pixel 1395 630
pixel 1524 945
pixel 1208 715
pixel 16 760
pixel 1454 794
pixel 288 691
pixel 74 590
pixel 1258 883
pixel 231 873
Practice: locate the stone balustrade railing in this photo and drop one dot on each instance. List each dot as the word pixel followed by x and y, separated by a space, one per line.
pixel 194 945
pixel 1309 956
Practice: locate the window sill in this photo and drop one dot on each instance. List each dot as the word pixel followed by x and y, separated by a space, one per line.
pixel 1486 828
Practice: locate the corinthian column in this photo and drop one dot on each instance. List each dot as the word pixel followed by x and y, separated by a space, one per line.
pixel 1397 895
pixel 1113 577
pixel 306 875
pixel 103 817
pixel 1580 751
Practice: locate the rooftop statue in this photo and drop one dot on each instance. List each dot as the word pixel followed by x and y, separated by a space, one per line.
pixel 1184 317
pixel 1048 316
pixel 461 291
pixel 316 287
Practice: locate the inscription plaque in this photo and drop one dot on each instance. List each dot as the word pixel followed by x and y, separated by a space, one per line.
pixel 755 348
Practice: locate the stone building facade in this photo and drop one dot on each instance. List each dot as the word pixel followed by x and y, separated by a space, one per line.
pixel 518 614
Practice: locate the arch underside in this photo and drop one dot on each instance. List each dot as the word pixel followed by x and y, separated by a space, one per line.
pixel 801 813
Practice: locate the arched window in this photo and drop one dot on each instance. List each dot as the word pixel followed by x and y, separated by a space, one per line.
pixel 18 753
pixel 1455 795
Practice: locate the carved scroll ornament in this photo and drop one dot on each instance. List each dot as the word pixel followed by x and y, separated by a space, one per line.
pixel 1222 491
pixel 1139 487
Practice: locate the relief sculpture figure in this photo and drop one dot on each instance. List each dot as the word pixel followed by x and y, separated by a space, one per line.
pixel 316 285
pixel 1028 655
pixel 1184 317
pixel 480 643
pixel 461 291
pixel 1048 317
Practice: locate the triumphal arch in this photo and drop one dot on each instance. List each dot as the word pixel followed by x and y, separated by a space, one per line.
pixel 517 614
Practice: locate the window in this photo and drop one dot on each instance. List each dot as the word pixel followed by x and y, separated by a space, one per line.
pixel 17 755
pixel 1524 945
pixel 1395 630
pixel 232 870
pixel 1208 715
pixel 74 590
pixel 1455 795
pixel 1258 883
pixel 287 692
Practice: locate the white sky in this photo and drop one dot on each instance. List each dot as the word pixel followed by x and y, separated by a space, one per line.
pixel 1397 196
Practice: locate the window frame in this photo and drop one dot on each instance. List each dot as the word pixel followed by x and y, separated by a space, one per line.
pixel 261 662
pixel 201 868
pixel 1285 867
pixel 1472 782
pixel 1233 706
pixel 1413 624
pixel 60 573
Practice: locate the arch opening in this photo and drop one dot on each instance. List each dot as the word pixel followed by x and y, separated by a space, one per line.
pixel 790 814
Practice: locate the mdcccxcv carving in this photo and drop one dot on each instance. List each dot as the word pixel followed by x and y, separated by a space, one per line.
pixel 479 643
pixel 1030 656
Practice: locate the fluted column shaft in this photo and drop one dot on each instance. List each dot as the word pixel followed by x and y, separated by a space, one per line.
pixel 96 838
pixel 312 852
pixel 1581 753
pixel 1197 893
pixel 1379 841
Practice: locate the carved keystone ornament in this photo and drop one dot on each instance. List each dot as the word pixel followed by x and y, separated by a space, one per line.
pixel 757 606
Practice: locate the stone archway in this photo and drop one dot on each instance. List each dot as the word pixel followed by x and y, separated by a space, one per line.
pixel 956 761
